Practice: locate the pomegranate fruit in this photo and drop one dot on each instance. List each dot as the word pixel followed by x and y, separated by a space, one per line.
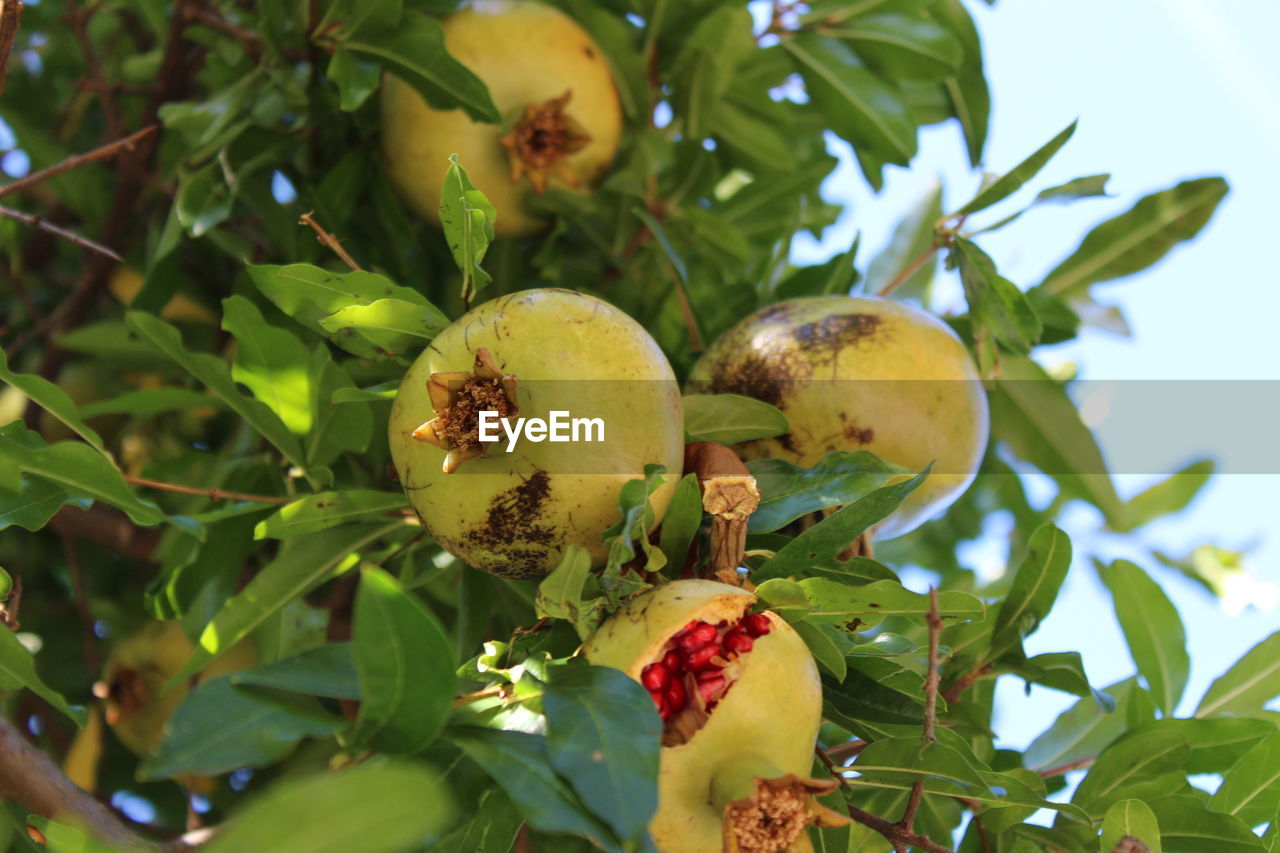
pixel 741 702
pixel 512 509
pixel 132 687
pixel 555 91
pixel 859 373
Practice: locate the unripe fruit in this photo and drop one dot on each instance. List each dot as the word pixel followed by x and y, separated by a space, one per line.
pixel 860 373
pixel 553 87
pixel 133 682
pixel 739 734
pixel 514 513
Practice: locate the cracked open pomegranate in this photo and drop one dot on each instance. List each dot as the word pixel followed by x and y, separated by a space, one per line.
pixel 554 89
pixel 741 702
pixel 512 506
pixel 860 373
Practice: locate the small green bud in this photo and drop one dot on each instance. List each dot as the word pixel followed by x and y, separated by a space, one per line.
pixel 6 584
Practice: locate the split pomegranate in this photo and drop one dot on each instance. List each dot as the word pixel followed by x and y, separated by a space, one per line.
pixel 513 509
pixel 554 89
pixel 859 373
pixel 741 702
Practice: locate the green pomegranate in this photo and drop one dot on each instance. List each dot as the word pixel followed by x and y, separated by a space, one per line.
pixel 554 89
pixel 512 506
pixel 137 706
pixel 741 702
pixel 860 373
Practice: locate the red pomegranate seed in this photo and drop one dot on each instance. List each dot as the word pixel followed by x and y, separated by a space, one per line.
pixel 671 660
pixel 660 702
pixel 757 624
pixel 700 658
pixel 675 695
pixel 737 642
pixel 708 674
pixel 655 676
pixel 700 635
pixel 710 687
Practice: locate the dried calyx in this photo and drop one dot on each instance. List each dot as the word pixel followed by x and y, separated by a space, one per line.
pixel 457 398
pixel 541 141
pixel 765 811
pixel 695 669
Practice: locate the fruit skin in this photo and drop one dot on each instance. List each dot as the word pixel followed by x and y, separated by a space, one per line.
pixel 526 53
pixel 943 419
pixel 137 671
pixel 770 715
pixel 513 514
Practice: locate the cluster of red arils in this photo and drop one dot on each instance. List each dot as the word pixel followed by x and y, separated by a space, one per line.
pixel 694 661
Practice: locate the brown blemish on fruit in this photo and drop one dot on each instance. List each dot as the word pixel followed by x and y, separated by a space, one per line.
pixel 861 435
pixel 764 377
pixel 836 331
pixel 513 517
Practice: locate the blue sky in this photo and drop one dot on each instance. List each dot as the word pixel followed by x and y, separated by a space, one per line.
pixel 1165 90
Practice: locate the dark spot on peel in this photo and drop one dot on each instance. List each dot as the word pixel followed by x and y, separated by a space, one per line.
pixel 513 517
pixel 837 331
pixel 591 54
pixel 860 435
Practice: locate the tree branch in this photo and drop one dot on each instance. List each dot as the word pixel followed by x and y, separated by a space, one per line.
pixel 102 152
pixel 211 494
pixel 10 14
pixel 57 230
pixel 328 239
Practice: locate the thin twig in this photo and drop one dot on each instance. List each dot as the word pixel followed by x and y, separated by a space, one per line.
pixel 10 15
pixel 79 22
pixel 928 734
pixel 211 494
pixel 910 270
pixel 1078 764
pixel 102 152
pixel 328 239
pixel 825 757
pixel 894 833
pixel 842 752
pixel 36 222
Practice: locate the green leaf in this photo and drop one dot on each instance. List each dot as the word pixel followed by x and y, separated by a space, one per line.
pixel 823 648
pixel 903 761
pixel 1170 495
pixel 706 64
pixel 562 593
pixel 996 304
pixel 1122 768
pixel 730 418
pixel 221 727
pixel 414 51
pixel 1090 186
pixel 493 829
pixel 374 808
pixel 1251 788
pixel 270 362
pixel 604 736
pixel 335 429
pixel 903 45
pixel 1140 237
pixel 861 699
pixel 393 326
pixel 1187 826
pixel 327 670
pixel 151 401
pixel 788 491
pixel 681 521
pixel 37 501
pixel 77 468
pixel 859 106
pixel 1032 413
pixel 204 200
pixel 1057 670
pixel 631 530
pixel 213 372
pixel 467 218
pixel 912 237
pixel 309 294
pixel 823 542
pixel 355 80
pixel 519 762
pixel 382 392
pixel 1217 743
pixel 1010 182
pixel 838 603
pixel 1153 630
pixel 1033 591
pixel 1132 818
pixel 52 399
pixel 18 667
pixel 309 561
pixel 1086 728
pixel 328 509
pixel 967 88
pixel 1250 683
pixel 405 664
